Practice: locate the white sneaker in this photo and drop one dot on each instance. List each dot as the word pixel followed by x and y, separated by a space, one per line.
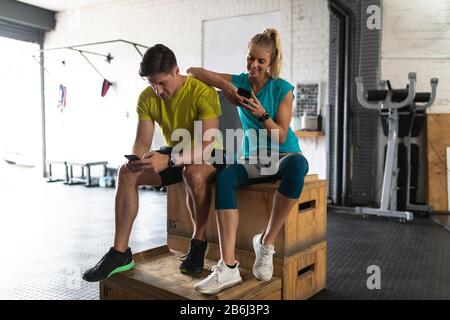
pixel 263 266
pixel 222 277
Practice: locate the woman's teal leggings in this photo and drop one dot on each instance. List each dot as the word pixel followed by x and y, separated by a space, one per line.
pixel 292 171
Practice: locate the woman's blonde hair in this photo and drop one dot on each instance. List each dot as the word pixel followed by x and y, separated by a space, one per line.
pixel 271 38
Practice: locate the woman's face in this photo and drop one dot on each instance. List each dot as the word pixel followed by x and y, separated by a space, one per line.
pixel 258 60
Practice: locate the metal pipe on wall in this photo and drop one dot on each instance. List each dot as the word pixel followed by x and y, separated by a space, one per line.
pixel 348 94
pixel 44 144
pixel 338 99
pixel 344 89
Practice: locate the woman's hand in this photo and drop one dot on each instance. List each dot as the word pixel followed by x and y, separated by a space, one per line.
pixel 231 94
pixel 254 106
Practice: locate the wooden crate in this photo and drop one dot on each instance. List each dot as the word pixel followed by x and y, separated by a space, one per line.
pixel 438 140
pixel 304 227
pixel 156 276
pixel 303 274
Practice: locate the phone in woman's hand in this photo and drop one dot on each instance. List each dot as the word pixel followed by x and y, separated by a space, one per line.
pixel 244 93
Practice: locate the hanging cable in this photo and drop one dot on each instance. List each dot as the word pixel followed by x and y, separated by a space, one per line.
pixel 137 49
pixel 81 52
pixel 108 56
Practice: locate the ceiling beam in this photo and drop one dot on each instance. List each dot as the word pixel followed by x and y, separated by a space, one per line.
pixel 27 15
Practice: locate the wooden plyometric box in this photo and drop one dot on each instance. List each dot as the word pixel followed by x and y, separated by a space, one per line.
pixel 304 227
pixel 303 274
pixel 157 276
pixel 438 140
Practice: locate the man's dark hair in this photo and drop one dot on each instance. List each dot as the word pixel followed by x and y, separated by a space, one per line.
pixel 157 59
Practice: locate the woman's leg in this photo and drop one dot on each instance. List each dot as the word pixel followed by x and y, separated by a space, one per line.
pixel 293 170
pixel 282 205
pixel 227 183
pixel 227 224
pixel 226 273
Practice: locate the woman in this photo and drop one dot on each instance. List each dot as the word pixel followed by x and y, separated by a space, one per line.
pixel 269 108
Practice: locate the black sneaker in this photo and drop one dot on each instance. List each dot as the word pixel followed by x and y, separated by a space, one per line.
pixel 195 258
pixel 112 262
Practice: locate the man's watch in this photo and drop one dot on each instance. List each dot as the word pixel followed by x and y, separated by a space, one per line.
pixel 172 161
pixel 264 117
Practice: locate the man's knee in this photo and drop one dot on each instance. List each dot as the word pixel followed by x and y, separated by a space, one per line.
pixel 197 177
pixel 126 176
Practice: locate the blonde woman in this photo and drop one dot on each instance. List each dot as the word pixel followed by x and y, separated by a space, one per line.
pixel 268 108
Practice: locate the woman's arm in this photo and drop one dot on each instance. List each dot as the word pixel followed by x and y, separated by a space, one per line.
pixel 211 78
pixel 221 81
pixel 283 117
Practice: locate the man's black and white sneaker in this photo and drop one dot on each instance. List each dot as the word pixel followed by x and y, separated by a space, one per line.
pixel 112 262
pixel 194 260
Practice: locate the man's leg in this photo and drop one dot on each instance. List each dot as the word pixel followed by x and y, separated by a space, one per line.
pixel 198 179
pixel 127 202
pixel 119 258
pixel 190 205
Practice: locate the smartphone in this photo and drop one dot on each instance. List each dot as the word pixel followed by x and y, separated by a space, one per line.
pixel 132 157
pixel 244 93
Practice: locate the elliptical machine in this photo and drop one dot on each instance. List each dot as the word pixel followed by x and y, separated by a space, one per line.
pixel 390 101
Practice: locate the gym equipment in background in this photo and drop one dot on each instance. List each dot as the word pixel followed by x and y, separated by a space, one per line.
pixel 105 84
pixel 390 102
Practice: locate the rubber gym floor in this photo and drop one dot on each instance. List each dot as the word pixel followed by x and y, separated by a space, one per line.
pixel 52 233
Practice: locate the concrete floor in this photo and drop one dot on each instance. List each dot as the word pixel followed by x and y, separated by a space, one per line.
pixel 52 232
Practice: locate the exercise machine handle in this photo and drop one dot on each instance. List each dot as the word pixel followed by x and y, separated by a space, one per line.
pixel 387 103
pixel 420 107
pixel 362 97
pixel 411 94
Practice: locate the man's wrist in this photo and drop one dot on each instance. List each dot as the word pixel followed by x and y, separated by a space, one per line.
pixel 171 161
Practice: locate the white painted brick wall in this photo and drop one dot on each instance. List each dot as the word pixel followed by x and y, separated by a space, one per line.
pixel 310 57
pixel 416 38
pixel 96 127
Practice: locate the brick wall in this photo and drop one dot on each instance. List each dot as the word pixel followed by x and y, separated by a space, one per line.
pixel 416 37
pixel 310 49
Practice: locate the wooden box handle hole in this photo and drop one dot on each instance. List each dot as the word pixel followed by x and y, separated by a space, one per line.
pixel 307 270
pixel 305 206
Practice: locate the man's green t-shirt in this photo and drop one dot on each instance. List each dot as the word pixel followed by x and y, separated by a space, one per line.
pixel 195 101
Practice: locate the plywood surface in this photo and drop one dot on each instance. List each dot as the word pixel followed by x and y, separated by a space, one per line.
pixel 438 140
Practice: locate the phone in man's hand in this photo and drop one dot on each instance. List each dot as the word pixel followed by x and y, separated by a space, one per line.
pixel 244 93
pixel 132 157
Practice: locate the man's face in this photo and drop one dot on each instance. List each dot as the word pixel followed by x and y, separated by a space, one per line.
pixel 164 84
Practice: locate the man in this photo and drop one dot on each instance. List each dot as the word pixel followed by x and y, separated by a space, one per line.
pixel 175 102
